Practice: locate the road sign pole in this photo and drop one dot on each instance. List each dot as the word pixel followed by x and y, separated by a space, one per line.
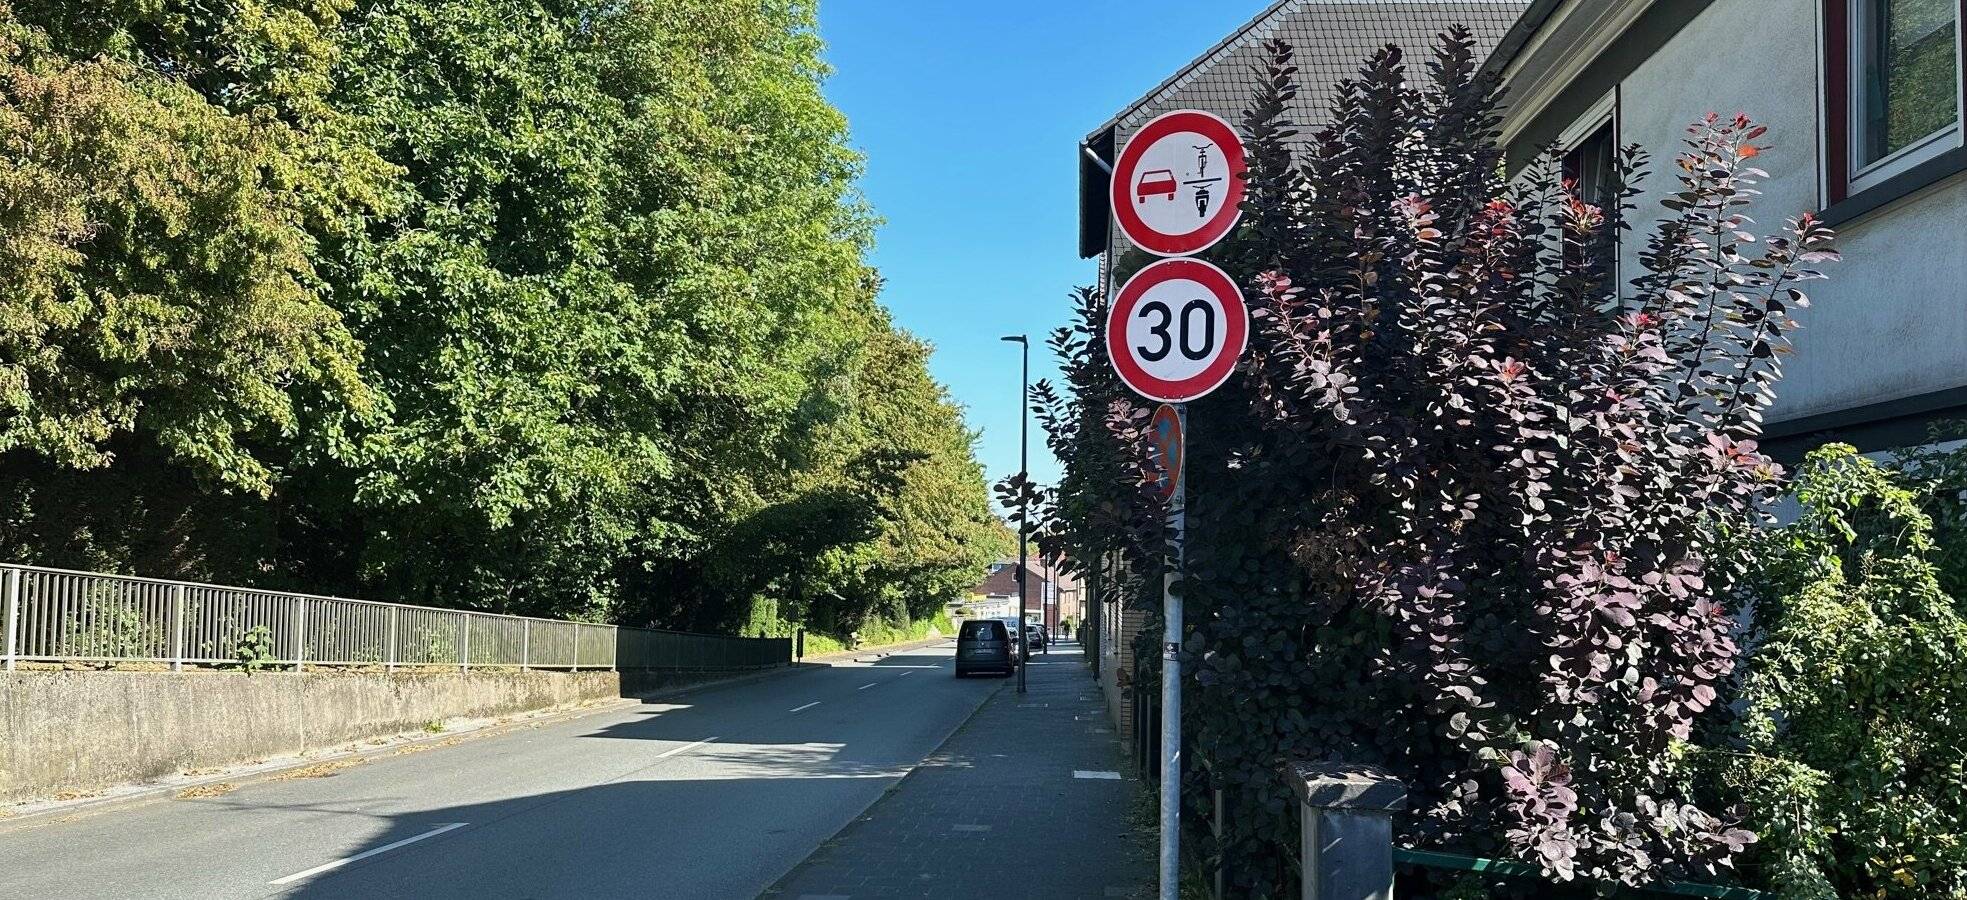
pixel 1171 676
pixel 1174 332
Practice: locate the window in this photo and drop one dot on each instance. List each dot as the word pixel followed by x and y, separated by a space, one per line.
pixel 1589 164
pixel 1895 98
pixel 982 631
pixel 1590 148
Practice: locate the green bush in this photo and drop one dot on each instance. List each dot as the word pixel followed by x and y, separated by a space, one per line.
pixel 1855 699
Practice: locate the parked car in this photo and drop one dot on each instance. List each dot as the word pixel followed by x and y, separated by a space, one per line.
pixel 985 645
pixel 1017 636
pixel 1034 636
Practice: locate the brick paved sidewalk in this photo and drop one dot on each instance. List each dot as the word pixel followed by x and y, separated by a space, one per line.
pixel 1020 802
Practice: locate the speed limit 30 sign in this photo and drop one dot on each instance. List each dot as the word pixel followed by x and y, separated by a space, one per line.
pixel 1175 331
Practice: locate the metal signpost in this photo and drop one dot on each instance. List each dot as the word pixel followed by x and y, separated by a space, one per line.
pixel 1174 332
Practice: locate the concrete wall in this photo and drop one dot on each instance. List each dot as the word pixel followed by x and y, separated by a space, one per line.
pixel 81 731
pixel 1891 322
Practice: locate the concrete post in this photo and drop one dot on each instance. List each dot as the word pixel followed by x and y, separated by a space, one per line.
pixel 577 646
pixel 389 658
pixel 177 628
pixel 464 643
pixel 525 643
pixel 13 616
pixel 1347 839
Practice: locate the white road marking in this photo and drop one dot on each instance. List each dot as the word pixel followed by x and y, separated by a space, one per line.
pixel 675 750
pixel 806 707
pixel 368 853
pixel 1102 776
pixel 904 674
pixel 969 827
pixel 867 685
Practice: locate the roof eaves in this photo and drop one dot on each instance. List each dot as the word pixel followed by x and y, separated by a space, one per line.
pixel 1260 26
pixel 1518 36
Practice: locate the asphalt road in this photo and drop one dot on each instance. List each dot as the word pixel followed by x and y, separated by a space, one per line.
pixel 714 794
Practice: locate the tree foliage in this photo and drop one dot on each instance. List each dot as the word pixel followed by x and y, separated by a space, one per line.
pixel 526 305
pixel 1855 699
pixel 1462 515
pixel 158 269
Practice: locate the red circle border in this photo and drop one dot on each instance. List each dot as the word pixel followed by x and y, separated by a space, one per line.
pixel 1121 184
pixel 1235 338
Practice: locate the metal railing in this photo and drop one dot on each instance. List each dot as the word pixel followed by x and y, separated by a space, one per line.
pixel 59 615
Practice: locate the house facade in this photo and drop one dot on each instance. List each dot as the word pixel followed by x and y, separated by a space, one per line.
pixel 1863 100
pixel 996 596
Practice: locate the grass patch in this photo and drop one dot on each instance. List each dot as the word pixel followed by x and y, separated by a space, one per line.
pixel 319 770
pixel 880 634
pixel 201 791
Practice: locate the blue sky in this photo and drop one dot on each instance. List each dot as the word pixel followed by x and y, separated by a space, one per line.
pixel 969 115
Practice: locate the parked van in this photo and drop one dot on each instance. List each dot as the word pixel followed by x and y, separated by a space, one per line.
pixel 984 645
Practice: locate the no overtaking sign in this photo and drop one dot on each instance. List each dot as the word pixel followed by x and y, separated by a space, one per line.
pixel 1177 188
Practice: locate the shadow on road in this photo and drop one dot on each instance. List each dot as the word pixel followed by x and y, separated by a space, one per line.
pixel 710 820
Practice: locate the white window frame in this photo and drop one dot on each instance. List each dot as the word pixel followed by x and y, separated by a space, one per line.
pixel 1858 54
pixel 1597 116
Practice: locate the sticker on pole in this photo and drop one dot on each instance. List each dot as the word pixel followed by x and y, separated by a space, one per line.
pixel 1176 329
pixel 1166 432
pixel 1177 188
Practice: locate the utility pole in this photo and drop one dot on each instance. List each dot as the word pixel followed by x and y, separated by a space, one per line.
pixel 1024 482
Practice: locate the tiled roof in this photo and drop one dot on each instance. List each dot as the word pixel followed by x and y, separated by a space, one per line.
pixel 1332 39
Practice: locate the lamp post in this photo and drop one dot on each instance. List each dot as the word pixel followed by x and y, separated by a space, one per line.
pixel 1024 482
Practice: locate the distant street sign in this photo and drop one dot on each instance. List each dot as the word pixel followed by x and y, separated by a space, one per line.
pixel 1176 329
pixel 1177 188
pixel 1169 445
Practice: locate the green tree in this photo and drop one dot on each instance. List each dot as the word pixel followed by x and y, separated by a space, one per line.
pixel 556 307
pixel 156 258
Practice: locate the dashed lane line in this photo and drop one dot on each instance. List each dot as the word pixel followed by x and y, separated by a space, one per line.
pixel 325 867
pixel 692 746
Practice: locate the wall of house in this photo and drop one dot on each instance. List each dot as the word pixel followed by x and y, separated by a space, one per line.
pixel 1117 666
pixel 1892 320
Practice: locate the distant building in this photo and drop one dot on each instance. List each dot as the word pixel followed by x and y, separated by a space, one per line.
pixel 996 596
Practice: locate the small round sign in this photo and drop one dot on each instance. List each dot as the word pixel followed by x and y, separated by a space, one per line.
pixel 1177 187
pixel 1176 329
pixel 1165 430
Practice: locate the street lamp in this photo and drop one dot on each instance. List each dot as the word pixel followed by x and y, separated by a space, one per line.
pixel 1024 486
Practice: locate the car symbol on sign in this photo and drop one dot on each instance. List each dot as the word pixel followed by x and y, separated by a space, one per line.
pixel 1155 181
